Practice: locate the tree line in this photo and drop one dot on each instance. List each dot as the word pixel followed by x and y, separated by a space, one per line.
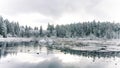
pixel 93 29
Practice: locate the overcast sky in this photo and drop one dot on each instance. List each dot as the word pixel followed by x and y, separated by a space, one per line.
pixel 40 12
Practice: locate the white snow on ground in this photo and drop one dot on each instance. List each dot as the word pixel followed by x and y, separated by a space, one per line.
pixel 109 45
pixel 41 40
pixel 116 41
pixel 13 39
pixel 111 42
pixel 44 40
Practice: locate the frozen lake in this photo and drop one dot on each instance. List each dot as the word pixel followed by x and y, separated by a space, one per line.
pixel 35 55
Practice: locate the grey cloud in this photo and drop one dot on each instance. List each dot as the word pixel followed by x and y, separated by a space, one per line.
pixel 54 8
pixel 93 9
pixel 44 21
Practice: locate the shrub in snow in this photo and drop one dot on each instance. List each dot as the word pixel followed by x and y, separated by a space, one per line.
pixel 1 36
pixel 9 35
pixel 91 36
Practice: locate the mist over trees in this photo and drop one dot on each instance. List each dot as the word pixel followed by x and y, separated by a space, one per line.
pixel 93 29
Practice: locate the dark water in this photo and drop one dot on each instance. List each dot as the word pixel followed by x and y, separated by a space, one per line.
pixel 34 55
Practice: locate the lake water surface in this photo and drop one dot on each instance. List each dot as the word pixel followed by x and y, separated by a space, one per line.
pixel 34 55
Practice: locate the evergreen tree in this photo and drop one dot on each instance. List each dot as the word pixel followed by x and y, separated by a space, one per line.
pixel 50 30
pixel 12 29
pixel 1 23
pixel 17 29
pixel 27 31
pixel 22 31
pixel 41 31
pixel 4 30
pixel 36 32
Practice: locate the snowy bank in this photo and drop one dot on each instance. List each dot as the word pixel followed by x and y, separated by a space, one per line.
pixel 63 41
pixel 14 39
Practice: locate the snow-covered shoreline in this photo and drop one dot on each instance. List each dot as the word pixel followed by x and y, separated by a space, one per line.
pixel 72 43
pixel 61 40
pixel 14 39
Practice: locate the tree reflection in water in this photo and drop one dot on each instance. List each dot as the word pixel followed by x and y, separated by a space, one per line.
pixel 14 47
pixel 50 56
